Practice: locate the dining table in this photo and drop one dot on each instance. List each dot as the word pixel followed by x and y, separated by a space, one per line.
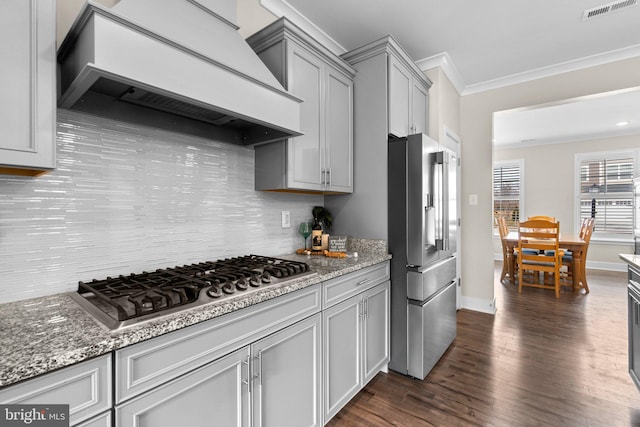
pixel 568 242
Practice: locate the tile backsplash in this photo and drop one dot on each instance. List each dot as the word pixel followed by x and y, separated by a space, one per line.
pixel 128 198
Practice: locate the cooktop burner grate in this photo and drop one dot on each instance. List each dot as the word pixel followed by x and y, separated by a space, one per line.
pixel 148 294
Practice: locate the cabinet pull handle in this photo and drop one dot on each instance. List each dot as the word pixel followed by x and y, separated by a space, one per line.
pixel 329 176
pixel 247 382
pixel 366 308
pixel 259 374
pixel 363 282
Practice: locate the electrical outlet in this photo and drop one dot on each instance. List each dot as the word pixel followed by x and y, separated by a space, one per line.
pixel 286 219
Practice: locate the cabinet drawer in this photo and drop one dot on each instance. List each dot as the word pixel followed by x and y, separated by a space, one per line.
pixel 151 363
pixel 343 287
pixel 85 387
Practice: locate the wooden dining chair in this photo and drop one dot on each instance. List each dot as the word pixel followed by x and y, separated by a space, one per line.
pixel 542 217
pixel 586 230
pixel 542 236
pixel 503 230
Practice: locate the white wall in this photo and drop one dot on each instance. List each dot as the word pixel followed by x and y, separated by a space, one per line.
pixel 444 105
pixel 477 153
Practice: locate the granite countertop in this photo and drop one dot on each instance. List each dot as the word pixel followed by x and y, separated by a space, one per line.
pixel 43 334
pixel 631 259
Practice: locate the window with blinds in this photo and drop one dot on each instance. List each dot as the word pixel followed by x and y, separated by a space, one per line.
pixel 508 191
pixel 606 193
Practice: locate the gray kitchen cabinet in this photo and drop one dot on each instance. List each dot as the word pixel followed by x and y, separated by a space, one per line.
pixel 408 100
pixel 388 88
pixel 259 366
pixel 376 338
pixel 140 367
pixel 28 86
pixel 214 394
pixel 272 382
pixel 85 387
pixel 320 160
pixel 286 374
pixel 342 336
pixel 633 296
pixel 355 335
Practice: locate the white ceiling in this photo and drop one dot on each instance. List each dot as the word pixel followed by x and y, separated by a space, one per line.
pixel 486 40
pixel 492 43
pixel 598 116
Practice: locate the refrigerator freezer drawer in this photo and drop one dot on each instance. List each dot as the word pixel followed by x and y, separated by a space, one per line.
pixel 421 285
pixel 431 330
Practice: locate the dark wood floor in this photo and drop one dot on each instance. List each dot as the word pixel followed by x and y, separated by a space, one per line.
pixel 538 362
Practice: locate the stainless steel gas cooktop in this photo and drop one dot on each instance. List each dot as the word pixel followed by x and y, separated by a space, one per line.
pixel 122 301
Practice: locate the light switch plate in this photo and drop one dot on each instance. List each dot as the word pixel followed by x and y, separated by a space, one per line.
pixel 473 199
pixel 286 219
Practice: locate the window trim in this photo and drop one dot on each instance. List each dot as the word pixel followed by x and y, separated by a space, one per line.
pixel 521 205
pixel 612 238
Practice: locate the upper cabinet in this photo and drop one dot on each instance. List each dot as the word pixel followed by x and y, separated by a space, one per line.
pixel 407 88
pixel 320 160
pixel 390 97
pixel 28 86
pixel 407 99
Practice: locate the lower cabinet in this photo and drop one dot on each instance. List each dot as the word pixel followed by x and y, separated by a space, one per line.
pixel 355 345
pixel 272 382
pixel 286 376
pixel 215 394
pixel 633 289
pixel 85 387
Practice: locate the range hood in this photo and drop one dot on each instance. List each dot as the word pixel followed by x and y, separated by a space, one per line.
pixel 176 65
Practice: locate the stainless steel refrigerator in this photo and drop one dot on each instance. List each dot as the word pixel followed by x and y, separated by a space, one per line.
pixel 423 225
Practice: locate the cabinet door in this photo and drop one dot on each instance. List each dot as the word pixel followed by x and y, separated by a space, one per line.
pixel 304 153
pixel 215 394
pixel 375 330
pixel 286 376
pixel 339 133
pixel 341 332
pixel 399 98
pixel 420 108
pixel 27 105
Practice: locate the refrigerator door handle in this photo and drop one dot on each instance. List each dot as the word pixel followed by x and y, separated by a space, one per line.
pixel 445 200
pixel 441 186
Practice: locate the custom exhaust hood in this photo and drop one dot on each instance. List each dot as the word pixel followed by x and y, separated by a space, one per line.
pixel 177 65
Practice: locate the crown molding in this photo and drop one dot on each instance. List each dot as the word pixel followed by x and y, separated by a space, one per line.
pixel 281 8
pixel 552 70
pixel 443 60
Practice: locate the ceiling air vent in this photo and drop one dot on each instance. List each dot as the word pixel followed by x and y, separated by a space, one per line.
pixel 607 8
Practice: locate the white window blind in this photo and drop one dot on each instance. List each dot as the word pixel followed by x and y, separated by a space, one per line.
pixel 508 192
pixel 606 193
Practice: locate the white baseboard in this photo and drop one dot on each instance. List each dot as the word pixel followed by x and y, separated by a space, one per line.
pixel 478 304
pixel 609 266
